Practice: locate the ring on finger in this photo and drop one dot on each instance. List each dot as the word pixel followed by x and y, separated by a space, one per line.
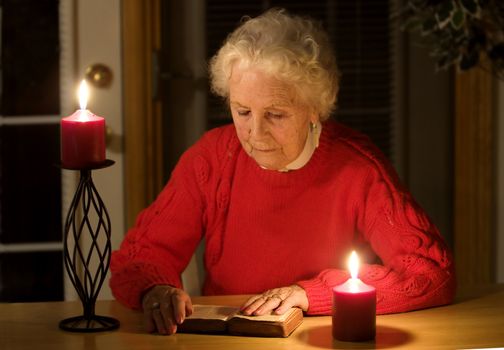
pixel 155 306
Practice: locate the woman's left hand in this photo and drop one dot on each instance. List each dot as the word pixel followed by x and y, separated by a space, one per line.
pixel 278 300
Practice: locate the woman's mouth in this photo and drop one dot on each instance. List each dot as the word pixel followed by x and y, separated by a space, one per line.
pixel 265 150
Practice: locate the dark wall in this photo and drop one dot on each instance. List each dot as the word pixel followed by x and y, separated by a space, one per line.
pixel 429 166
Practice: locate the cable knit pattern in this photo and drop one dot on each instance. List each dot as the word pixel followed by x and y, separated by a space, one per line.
pixel 265 229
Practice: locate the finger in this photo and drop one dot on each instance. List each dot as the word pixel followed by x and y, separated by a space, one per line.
pixel 178 308
pixel 189 307
pixel 250 301
pixel 150 302
pixel 269 305
pixel 169 323
pixel 150 326
pixel 254 305
pixel 159 321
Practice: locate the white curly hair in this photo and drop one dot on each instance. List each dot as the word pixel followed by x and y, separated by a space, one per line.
pixel 293 49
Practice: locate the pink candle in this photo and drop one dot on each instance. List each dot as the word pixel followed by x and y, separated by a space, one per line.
pixel 82 136
pixel 354 308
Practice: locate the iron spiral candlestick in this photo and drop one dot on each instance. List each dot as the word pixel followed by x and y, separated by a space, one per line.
pixel 87 266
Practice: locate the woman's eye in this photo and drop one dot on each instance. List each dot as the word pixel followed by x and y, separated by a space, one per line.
pixel 275 115
pixel 243 113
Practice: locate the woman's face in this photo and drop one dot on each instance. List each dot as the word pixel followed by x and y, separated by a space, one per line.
pixel 271 124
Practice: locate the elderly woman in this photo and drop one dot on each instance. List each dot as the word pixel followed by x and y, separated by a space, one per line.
pixel 281 197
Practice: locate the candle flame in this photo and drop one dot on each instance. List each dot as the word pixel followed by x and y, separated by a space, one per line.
pixel 83 94
pixel 353 265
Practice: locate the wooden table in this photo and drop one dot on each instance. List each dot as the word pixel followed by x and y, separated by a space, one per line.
pixel 475 320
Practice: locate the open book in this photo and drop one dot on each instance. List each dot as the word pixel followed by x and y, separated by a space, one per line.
pixel 226 319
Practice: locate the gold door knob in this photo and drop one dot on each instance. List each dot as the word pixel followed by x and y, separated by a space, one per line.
pixel 99 75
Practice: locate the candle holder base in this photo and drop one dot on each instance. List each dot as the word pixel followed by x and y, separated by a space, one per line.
pixel 94 324
pixel 86 251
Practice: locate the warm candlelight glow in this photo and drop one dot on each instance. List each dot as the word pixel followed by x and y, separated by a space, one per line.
pixel 353 265
pixel 83 94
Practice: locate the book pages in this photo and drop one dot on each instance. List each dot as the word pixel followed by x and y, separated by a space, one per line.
pixel 213 312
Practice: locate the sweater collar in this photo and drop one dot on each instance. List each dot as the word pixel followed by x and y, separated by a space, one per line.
pixel 312 142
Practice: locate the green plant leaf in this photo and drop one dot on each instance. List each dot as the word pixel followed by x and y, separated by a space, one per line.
pixel 412 24
pixel 458 19
pixel 445 13
pixel 458 31
pixel 445 10
pixel 470 6
pixel 428 26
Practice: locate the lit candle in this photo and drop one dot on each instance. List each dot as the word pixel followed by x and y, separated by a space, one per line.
pixel 82 136
pixel 354 307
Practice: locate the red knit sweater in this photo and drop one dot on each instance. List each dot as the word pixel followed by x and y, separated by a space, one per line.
pixel 265 229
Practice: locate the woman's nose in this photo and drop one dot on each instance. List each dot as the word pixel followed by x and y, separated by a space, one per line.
pixel 257 126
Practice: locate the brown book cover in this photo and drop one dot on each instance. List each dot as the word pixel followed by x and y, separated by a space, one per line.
pixel 225 319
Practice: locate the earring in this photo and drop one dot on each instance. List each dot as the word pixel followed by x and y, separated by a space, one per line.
pixel 315 133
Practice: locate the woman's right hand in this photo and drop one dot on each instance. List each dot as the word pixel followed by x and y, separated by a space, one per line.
pixel 164 308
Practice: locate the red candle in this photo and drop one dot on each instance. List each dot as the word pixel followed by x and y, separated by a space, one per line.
pixel 354 307
pixel 82 136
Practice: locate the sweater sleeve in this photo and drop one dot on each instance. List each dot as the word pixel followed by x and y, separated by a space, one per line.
pixel 159 247
pixel 416 269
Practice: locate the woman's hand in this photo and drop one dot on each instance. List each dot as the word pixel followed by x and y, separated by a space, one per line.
pixel 279 299
pixel 164 308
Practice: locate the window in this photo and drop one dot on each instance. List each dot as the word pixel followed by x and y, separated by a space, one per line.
pixel 30 183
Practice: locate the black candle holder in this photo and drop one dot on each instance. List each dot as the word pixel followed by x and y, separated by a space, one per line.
pixel 89 281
